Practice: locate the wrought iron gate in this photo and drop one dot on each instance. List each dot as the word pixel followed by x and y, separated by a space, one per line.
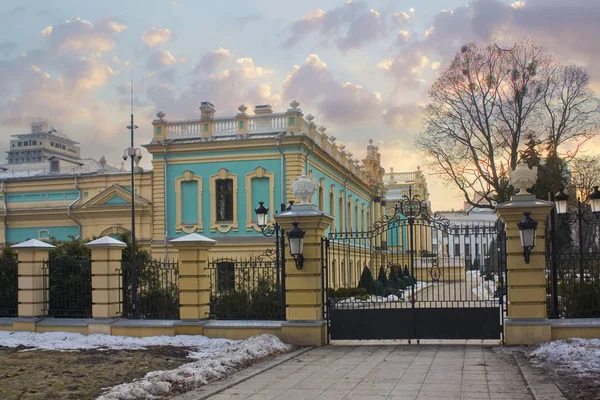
pixel 415 275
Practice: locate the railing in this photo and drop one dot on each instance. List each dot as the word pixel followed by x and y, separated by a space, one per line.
pixel 8 287
pixel 228 126
pixel 246 289
pixel 573 265
pixel 69 287
pixel 158 290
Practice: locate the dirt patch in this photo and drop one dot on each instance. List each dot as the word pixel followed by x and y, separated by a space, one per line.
pixel 573 386
pixel 78 374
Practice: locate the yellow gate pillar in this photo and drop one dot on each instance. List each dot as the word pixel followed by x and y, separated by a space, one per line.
pixel 304 285
pixel 194 281
pixel 106 264
pixel 527 321
pixel 33 292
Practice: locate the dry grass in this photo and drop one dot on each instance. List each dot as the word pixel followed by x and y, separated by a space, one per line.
pixel 78 374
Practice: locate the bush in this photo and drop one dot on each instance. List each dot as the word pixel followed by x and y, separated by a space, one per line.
pixel 263 302
pixel 343 293
pixel 580 300
pixel 8 283
pixel 366 281
pixel 379 288
pixel 382 276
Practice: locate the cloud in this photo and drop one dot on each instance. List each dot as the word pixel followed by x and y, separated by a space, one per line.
pixel 213 60
pixel 8 47
pixel 337 102
pixel 160 58
pixel 239 81
pixel 156 36
pixel 81 37
pixel 349 26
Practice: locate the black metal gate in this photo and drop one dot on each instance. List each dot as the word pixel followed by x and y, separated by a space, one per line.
pixel 415 275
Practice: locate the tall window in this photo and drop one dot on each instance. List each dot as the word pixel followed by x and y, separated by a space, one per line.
pixel 321 199
pixel 224 191
pixel 332 209
pixel 349 228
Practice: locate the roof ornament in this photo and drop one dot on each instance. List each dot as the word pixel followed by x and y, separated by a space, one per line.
pixel 161 115
pixel 294 104
pixel 322 129
pixel 310 118
pixel 242 109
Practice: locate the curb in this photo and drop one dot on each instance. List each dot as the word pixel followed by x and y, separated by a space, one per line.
pixel 246 374
pixel 540 384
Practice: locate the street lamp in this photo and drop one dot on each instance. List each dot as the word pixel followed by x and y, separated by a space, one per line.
pixel 561 201
pixel 527 227
pixel 136 155
pixel 296 239
pixel 594 198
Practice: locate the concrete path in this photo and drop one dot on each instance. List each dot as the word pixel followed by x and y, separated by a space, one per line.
pixel 399 372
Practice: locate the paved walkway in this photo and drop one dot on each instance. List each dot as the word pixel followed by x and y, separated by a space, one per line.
pixel 399 372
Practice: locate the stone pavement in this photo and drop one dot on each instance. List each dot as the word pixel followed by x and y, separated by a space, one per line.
pixel 400 372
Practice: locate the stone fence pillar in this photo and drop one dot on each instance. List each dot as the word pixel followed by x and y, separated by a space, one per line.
pixel 33 292
pixel 194 280
pixel 527 321
pixel 106 264
pixel 304 287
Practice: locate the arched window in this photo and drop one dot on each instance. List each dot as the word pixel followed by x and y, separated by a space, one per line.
pixel 321 199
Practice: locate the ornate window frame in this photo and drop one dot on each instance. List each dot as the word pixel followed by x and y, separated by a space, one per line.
pixel 223 226
pixel 259 173
pixel 44 234
pixel 332 206
pixel 180 225
pixel 321 194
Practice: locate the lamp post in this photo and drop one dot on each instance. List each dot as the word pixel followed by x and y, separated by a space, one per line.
pixel 136 155
pixel 579 216
pixel 527 227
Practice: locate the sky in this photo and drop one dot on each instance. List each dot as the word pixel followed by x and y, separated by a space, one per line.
pixel 361 67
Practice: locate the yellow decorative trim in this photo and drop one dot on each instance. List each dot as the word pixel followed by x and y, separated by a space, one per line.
pixel 223 226
pixel 180 225
pixel 259 172
pixel 332 205
pixel 113 230
pixel 342 212
pixel 249 157
pixel 321 194
pixel 356 215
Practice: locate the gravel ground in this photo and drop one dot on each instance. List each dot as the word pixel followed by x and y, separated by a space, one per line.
pixel 78 374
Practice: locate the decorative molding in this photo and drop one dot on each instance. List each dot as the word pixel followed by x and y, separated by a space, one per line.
pixel 223 226
pixel 44 234
pixel 259 173
pixel 113 230
pixel 180 225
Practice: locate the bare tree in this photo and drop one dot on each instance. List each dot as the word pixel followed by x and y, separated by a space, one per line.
pixel 486 101
pixel 572 111
pixel 585 174
pixel 479 108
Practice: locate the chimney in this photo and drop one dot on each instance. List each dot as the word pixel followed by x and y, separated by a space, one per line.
pixel 263 109
pixel 207 109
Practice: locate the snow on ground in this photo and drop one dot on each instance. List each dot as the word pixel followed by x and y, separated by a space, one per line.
pixel 581 356
pixel 77 341
pixel 215 358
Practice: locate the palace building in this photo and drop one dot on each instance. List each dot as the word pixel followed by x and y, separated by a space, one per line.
pixel 208 175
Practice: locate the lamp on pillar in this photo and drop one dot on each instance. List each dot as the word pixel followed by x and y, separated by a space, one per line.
pixel 595 200
pixel 296 239
pixel 561 201
pixel 527 227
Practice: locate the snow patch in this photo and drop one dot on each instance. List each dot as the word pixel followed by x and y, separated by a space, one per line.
pixel 211 365
pixel 581 356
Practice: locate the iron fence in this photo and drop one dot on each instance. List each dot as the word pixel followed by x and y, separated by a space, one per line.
pixel 246 288
pixel 573 264
pixel 157 290
pixel 9 290
pixel 68 281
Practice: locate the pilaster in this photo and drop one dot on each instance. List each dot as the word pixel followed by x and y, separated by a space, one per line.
pixel 33 292
pixel 194 279
pixel 293 118
pixel 241 121
pixel 106 264
pixel 527 321
pixel 304 287
pixel 160 127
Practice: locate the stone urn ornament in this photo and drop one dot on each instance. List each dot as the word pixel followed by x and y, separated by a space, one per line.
pixel 522 178
pixel 303 188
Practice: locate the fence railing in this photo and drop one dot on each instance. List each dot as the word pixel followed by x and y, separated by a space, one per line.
pixel 157 290
pixel 9 290
pixel 68 281
pixel 573 264
pixel 246 289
